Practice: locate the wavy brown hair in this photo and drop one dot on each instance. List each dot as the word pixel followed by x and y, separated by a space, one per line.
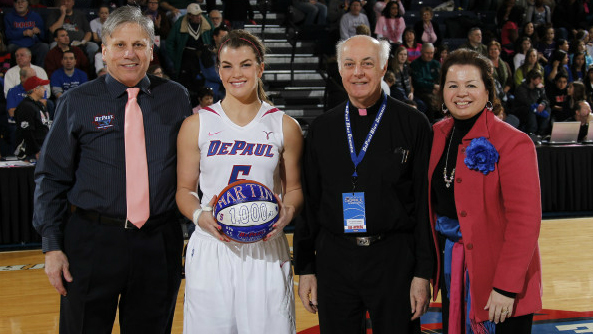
pixel 238 38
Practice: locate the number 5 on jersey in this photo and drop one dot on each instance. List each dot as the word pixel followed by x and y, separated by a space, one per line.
pixel 239 169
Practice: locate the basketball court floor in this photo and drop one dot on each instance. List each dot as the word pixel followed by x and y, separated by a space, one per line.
pixel 30 305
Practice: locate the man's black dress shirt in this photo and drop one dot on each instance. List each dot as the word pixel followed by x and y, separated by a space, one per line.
pixel 393 176
pixel 83 159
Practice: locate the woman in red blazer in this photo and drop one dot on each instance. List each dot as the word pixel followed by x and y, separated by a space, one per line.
pixel 485 207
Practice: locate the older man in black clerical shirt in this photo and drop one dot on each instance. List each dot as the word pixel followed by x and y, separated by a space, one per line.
pixel 105 190
pixel 365 243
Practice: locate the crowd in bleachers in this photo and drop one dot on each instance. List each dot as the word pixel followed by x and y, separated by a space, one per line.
pixel 541 51
pixel 59 41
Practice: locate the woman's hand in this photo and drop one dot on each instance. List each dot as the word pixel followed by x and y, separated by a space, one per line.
pixel 209 224
pixel 499 307
pixel 286 215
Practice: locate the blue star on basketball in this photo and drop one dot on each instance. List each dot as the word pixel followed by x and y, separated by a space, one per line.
pixel 246 211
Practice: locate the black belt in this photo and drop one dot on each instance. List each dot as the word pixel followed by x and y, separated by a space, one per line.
pixel 153 221
pixel 364 241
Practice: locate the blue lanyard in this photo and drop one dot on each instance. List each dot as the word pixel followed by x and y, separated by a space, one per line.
pixel 357 158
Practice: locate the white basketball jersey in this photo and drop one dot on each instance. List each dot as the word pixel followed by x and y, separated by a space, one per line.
pixel 229 152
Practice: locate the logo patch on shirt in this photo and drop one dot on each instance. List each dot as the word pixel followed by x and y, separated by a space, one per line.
pixel 103 121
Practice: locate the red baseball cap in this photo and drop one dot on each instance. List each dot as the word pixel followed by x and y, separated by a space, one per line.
pixel 34 82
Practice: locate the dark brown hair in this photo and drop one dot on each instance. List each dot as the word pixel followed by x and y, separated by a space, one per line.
pixel 469 57
pixel 238 38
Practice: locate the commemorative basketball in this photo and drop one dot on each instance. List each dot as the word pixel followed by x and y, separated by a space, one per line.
pixel 246 211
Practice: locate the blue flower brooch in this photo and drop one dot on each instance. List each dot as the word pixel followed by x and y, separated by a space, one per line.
pixel 481 155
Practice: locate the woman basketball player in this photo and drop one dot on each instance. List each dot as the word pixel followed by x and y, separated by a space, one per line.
pixel 234 287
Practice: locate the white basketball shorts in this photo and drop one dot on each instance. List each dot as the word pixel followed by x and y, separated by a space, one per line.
pixel 235 288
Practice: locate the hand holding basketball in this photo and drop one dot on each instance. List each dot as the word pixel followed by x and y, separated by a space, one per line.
pixel 286 215
pixel 208 223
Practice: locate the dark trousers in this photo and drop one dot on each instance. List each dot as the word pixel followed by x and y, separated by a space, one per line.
pixel 139 269
pixel 353 279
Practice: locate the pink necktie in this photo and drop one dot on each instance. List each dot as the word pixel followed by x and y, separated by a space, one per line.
pixel 137 196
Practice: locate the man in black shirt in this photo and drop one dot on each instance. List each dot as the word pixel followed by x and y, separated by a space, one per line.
pixel 102 256
pixel 368 155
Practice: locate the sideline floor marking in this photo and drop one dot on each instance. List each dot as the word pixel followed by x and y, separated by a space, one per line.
pixel 22 267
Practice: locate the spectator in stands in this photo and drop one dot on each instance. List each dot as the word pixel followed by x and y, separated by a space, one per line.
pixel 539 14
pixel 427 31
pixel 578 67
pixel 53 60
pixel 528 30
pixel 205 98
pixel 77 26
pixel 175 8
pixel 17 93
pixel 156 70
pixel 23 59
pixel 474 42
pixel 380 5
pixel 352 19
pixel 414 48
pixel 238 12
pixel 25 28
pixel 547 45
pixel 583 114
pixel 562 44
pixel 208 71
pixel 443 52
pixel 389 79
pixel 532 105
pixel 390 24
pixel 529 64
pixel 68 76
pixel 579 46
pixel 505 101
pixel 575 93
pixel 589 41
pixel 558 62
pixel 502 70
pixel 215 17
pixel 188 38
pixel 588 82
pixel 558 97
pixel 315 11
pixel 32 119
pixel 426 75
pixel 97 23
pixel 568 17
pixel 403 88
pixel 363 29
pixel 5 56
pixel 509 35
pixel 508 10
pixel 524 46
pixel 162 27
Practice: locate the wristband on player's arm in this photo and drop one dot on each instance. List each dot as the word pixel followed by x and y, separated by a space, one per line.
pixel 198 212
